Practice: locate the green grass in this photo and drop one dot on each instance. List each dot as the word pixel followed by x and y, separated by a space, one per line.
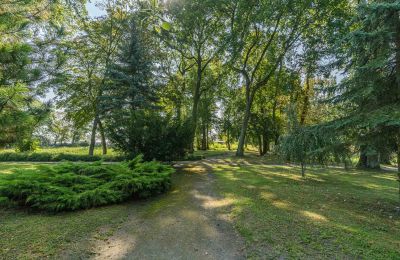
pixel 332 213
pixel 27 235
pixel 7 168
pixel 36 236
pixel 67 150
pixel 55 154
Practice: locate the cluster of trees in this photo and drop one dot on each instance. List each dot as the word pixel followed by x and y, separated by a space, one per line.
pixel 318 79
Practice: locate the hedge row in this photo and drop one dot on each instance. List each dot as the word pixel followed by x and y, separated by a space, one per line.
pixel 48 157
pixel 72 186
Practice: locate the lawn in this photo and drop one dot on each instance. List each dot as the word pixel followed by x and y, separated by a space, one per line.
pixel 28 234
pixel 67 150
pixel 218 151
pixel 332 213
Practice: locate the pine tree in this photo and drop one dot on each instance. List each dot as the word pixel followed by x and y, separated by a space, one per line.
pixel 371 92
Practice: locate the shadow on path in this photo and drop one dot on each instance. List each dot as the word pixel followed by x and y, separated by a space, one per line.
pixel 190 222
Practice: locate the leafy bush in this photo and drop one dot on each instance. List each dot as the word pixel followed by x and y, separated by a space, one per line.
pixel 149 133
pixel 48 157
pixel 73 186
pixel 27 144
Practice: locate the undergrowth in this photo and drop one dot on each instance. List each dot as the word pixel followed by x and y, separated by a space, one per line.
pixel 73 186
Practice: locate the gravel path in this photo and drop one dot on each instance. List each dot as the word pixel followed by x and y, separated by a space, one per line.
pixel 190 222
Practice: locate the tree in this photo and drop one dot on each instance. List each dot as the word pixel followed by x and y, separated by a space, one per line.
pixel 264 33
pixel 196 31
pixel 27 28
pixel 134 120
pixel 371 91
pixel 90 52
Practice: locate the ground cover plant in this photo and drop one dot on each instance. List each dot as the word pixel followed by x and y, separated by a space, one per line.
pixel 73 186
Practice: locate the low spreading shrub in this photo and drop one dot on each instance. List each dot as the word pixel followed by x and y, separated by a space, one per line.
pixel 48 157
pixel 73 186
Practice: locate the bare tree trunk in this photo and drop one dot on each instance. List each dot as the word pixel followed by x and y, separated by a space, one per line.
pixel 306 101
pixel 303 170
pixel 398 166
pixel 207 139
pixel 204 138
pixel 242 137
pixel 103 138
pixel 196 99
pixel 93 135
pixel 265 145
pixel 260 145
pixel 228 141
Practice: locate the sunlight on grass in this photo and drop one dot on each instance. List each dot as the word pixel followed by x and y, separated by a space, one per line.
pixel 332 213
pixel 67 150
pixel 313 216
pixel 7 168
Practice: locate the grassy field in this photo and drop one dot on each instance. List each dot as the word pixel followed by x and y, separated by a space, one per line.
pixel 332 213
pixel 218 151
pixel 67 150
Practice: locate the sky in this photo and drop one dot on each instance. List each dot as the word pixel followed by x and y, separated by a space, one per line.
pixel 93 10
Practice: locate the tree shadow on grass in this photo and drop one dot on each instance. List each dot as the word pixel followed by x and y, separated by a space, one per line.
pixel 326 215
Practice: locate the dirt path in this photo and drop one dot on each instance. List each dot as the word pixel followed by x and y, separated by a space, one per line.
pixel 190 222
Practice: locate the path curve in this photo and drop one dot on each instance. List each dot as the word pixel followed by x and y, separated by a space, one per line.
pixel 190 222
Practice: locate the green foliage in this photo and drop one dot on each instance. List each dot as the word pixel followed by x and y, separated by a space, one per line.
pixel 70 186
pixel 306 145
pixel 27 145
pixel 55 157
pixel 134 121
pixel 150 134
pixel 370 94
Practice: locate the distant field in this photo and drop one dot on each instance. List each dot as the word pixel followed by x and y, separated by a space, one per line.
pixel 67 150
pixel 214 151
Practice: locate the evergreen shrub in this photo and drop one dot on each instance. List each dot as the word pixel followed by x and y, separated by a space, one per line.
pixel 73 186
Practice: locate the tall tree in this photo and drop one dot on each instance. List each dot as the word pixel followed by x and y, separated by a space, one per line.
pixel 197 27
pixel 90 50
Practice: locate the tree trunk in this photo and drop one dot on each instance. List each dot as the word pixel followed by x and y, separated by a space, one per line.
pixel 103 138
pixel 228 142
pixel 398 166
pixel 303 170
pixel 265 145
pixel 204 138
pixel 260 145
pixel 397 23
pixel 93 135
pixel 306 101
pixel 196 99
pixel 368 160
pixel 242 137
pixel 207 140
